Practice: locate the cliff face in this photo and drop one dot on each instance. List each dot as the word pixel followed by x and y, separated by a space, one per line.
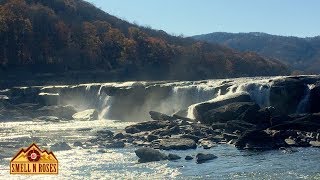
pixel 63 36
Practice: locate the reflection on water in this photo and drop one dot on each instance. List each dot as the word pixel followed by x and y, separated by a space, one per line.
pixel 81 163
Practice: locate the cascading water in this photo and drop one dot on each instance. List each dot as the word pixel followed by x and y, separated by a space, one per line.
pixel 303 105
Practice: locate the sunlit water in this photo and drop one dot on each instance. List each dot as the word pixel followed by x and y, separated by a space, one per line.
pixel 80 163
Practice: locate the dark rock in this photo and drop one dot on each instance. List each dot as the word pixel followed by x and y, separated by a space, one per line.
pixel 229 112
pixel 119 136
pixel 190 136
pixel 255 139
pixel 77 143
pixel 257 116
pixel 237 125
pixel 146 126
pixel 177 144
pixel 152 137
pixel 116 144
pixel 202 158
pixel 173 157
pixel 229 137
pixel 105 133
pixel 286 93
pixel 314 98
pixel 60 146
pixel 160 116
pixel 48 98
pixel 188 158
pixel 181 113
pixel 201 109
pixel 218 125
pixel 149 155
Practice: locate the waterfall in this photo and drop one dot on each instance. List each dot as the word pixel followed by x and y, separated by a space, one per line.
pixel 303 104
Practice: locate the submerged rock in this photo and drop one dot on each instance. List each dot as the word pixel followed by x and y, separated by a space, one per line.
pixel 177 144
pixel 60 146
pixel 149 155
pixel 201 158
pixel 86 115
pixel 173 157
pixel 188 158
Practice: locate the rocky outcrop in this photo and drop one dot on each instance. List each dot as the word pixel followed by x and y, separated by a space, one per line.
pixel 201 109
pixel 86 115
pixel 64 112
pixel 285 94
pixel 160 116
pixel 146 126
pixel 314 98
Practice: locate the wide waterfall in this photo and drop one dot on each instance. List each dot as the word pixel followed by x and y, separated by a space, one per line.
pixel 131 101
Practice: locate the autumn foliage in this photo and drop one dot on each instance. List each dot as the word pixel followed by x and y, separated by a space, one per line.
pixel 73 35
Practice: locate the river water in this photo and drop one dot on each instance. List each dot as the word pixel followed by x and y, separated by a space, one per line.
pixel 79 163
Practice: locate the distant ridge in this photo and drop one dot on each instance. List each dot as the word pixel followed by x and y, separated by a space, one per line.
pixel 302 54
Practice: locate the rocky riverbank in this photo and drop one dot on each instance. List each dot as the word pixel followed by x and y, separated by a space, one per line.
pixel 277 114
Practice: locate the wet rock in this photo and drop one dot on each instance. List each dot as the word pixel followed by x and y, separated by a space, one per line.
pixel 116 144
pixel 105 133
pixel 315 143
pixel 146 126
pixel 314 98
pixel 290 142
pixel 255 139
pixel 60 146
pixel 173 157
pixel 177 144
pixel 101 151
pixel 229 137
pixel 237 125
pixel 201 109
pixel 48 118
pixel 229 112
pixel 188 158
pixel 202 158
pixel 149 155
pixel 77 143
pixel 64 112
pixel 207 144
pixel 160 116
pixel 86 115
pixel 152 137
pixel 119 136
pixel 286 93
pixel 190 136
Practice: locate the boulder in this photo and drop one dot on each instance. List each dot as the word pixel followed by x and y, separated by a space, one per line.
pixel 64 112
pixel 207 144
pixel 229 112
pixel 314 98
pixel 86 115
pixel 115 144
pixel 177 144
pixel 60 146
pixel 152 137
pixel 146 126
pixel 173 157
pixel 315 143
pixel 202 158
pixel 149 155
pixel 160 116
pixel 286 94
pixel 255 139
pixel 201 109
pixel 188 158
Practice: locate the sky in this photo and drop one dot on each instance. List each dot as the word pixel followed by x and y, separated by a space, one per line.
pixel 192 17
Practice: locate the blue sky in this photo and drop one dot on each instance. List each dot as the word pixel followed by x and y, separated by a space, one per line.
pixel 192 17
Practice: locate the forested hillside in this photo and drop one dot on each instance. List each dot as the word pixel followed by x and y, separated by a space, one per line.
pixel 301 54
pixel 59 36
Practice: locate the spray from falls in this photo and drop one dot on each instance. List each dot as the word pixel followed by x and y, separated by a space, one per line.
pixel 303 104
